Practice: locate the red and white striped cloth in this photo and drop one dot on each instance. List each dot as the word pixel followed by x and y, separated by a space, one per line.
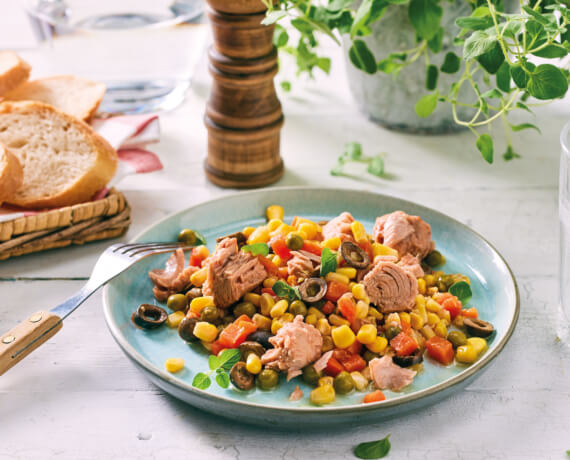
pixel 128 134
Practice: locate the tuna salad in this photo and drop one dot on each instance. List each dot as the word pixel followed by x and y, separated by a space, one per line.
pixel 325 303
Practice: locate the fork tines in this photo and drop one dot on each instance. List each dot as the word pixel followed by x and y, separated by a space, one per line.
pixel 135 249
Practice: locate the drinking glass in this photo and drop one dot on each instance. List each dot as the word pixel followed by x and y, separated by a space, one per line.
pixel 144 50
pixel 564 210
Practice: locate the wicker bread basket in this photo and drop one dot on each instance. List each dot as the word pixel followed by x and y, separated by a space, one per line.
pixel 109 217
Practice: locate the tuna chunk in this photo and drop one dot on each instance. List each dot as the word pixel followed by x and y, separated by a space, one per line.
pixel 407 234
pixel 296 394
pixel 231 273
pixel 390 287
pixel 297 344
pixel 339 226
pixel 412 265
pixel 174 278
pixel 303 263
pixel 388 376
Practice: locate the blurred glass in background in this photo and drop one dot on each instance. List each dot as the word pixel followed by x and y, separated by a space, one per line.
pixel 564 209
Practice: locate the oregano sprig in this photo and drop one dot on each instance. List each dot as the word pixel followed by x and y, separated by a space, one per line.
pixel 221 365
pixel 353 153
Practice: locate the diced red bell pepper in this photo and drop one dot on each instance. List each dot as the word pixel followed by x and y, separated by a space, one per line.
pixel 452 305
pixel 403 344
pixel 367 247
pixel 237 332
pixel 216 347
pixel 283 272
pixel 375 396
pixel 268 291
pixel 271 268
pixel 313 247
pixel 406 327
pixel 327 308
pixel 349 361
pixel 192 314
pixel 334 367
pixel 347 307
pixel 280 247
pixel 195 258
pixel 355 348
pixel 440 349
pixel 470 313
pixel 335 290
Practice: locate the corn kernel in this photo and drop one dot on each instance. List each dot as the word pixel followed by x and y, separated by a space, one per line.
pixel 266 303
pixel 247 231
pixel 421 286
pixel 282 230
pixel 440 329
pixel 310 229
pixel 279 308
pixel 383 250
pixel 274 212
pixel 274 224
pixel 328 344
pixel 432 291
pixel 466 354
pixel 275 326
pixel 416 320
pixel 302 235
pixel 332 243
pixel 205 331
pixel 445 315
pixel 427 332
pixel 366 334
pixel 253 364
pixel 173 365
pixel 332 276
pixel 198 304
pixel 175 318
pixel 375 313
pixel 253 298
pixel 198 278
pixel 287 318
pixel 351 285
pixel 430 280
pixel 277 260
pixel 262 322
pixel 336 320
pixel 326 380
pixel 324 327
pixel 433 306
pixel 379 345
pixel 349 272
pixel 404 317
pixel 478 343
pixel 420 301
pixel 343 337
pixel 202 251
pixel 358 232
pixel 393 319
pixel 259 235
pixel 362 309
pixel 269 282
pixel 359 292
pixel 311 319
pixel 360 382
pixel 292 280
pixel 314 311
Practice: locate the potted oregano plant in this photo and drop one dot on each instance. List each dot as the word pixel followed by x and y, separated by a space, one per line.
pixel 431 65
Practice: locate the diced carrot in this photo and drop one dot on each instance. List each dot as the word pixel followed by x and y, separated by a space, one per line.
pixel 347 307
pixel 335 290
pixel 470 313
pixel 440 349
pixel 280 247
pixel 313 247
pixel 403 344
pixel 327 308
pixel 334 367
pixel 216 347
pixel 269 266
pixel 375 396
pixel 355 348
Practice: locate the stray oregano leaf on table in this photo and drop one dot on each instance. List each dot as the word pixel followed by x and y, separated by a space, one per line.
pixel 353 153
pixel 221 365
pixel 373 449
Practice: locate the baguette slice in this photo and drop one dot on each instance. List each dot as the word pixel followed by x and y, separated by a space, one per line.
pixel 65 162
pixel 13 71
pixel 11 174
pixel 73 95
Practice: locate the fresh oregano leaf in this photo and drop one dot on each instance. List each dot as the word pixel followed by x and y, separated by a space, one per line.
pixel 223 380
pixel 201 381
pixel 492 94
pixel 472 23
pixel 536 15
pixel 361 57
pixel 282 289
pixel 492 60
pixel 547 82
pixel 328 262
pixel 280 36
pixel 213 362
pixel 551 52
pixel 373 449
pixel 426 105
pixel 228 358
pixel 520 105
pixel 510 154
pixel 503 77
pixel 200 240
pixel 436 42
pixel 520 77
pixel 432 72
pixel 485 145
pixel 353 150
pixel 286 86
pixel 376 166
pixel 478 43
pixel 525 126
pixel 388 66
pixel 425 16
pixel 462 291
pixel 451 63
pixel 273 16
pixel 257 249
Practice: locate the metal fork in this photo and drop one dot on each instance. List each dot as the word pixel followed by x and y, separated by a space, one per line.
pixel 41 326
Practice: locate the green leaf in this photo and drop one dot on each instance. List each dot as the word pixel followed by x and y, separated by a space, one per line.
pixel 200 240
pixel 213 362
pixel 368 12
pixel 492 60
pixel 302 25
pixel 373 449
pixel 520 77
pixel 547 82
pixel 257 249
pixel 451 63
pixel 492 94
pixel 388 66
pixel 462 291
pixel 286 86
pixel 361 57
pixel 436 42
pixel 503 77
pixel 426 105
pixel 399 56
pixel 201 381
pixel 324 64
pixel 353 150
pixel 337 5
pixel 520 105
pixel 399 2
pixel 328 262
pixel 485 145
pixel 337 170
pixel 432 72
pixel 425 16
pixel 280 37
pixel 223 380
pixel 474 23
pixel 536 15
pixel 282 289
pixel 523 126
pixel 551 52
pixel 510 154
pixel 273 16
pixel 228 358
pixel 568 453
pixel 484 106
pixel 478 43
pixel 376 166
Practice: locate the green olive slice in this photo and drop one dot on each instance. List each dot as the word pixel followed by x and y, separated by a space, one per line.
pixel 478 327
pixel 354 255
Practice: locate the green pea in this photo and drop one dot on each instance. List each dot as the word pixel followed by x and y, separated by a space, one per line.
pixel 188 237
pixel 369 356
pixel 294 241
pixel 392 332
pixel 298 307
pixel 245 308
pixel 343 383
pixel 435 258
pixel 210 314
pixel 457 338
pixel 267 379
pixel 177 302
pixel 311 376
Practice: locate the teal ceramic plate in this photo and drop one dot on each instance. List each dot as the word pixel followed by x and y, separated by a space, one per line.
pixel 495 295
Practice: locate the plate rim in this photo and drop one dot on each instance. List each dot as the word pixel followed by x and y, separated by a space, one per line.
pixel 425 393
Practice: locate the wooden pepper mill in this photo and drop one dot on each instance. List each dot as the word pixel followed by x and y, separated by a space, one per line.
pixel 243 115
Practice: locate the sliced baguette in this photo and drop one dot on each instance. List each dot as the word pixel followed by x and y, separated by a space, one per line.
pixel 73 95
pixel 11 174
pixel 65 162
pixel 13 71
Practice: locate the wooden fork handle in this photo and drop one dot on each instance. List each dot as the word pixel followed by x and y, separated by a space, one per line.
pixel 26 337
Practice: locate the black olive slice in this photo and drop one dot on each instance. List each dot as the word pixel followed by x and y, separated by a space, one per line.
pixel 250 346
pixel 261 337
pixel 186 329
pixel 354 255
pixel 241 377
pixel 313 289
pixel 478 327
pixel 149 316
pixel 239 236
pixel 406 361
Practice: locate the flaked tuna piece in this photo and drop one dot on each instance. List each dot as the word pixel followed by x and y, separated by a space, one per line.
pixel 231 273
pixel 296 394
pixel 412 265
pixel 388 376
pixel 390 287
pixel 180 284
pixel 322 362
pixel 339 226
pixel 303 263
pixel 174 278
pixel 407 234
pixel 297 344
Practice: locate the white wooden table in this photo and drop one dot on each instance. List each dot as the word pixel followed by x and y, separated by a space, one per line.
pixel 78 397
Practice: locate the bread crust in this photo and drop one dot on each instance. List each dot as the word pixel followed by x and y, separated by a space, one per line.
pixel 14 76
pixel 11 174
pixel 85 186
